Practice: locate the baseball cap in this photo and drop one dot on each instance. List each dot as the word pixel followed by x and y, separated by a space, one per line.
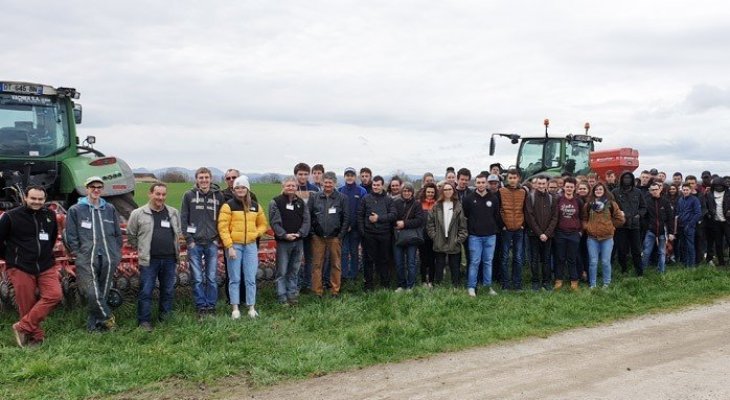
pixel 350 170
pixel 493 178
pixel 93 179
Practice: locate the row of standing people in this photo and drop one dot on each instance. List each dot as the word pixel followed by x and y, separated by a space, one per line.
pixel 335 222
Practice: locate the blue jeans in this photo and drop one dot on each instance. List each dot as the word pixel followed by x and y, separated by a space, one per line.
pixel 288 261
pixel 481 254
pixel 351 254
pixel 406 278
pixel 164 270
pixel 688 245
pixel 205 293
pixel 651 240
pixel 246 261
pixel 599 250
pixel 514 240
pixel 305 272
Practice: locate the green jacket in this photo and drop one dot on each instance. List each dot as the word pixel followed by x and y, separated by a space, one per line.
pixel 139 231
pixel 457 229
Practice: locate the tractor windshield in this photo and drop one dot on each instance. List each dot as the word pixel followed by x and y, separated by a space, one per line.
pixel 538 155
pixel 578 156
pixel 32 126
pixel 554 156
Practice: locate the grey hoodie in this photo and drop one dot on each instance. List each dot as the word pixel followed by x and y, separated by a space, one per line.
pixel 199 215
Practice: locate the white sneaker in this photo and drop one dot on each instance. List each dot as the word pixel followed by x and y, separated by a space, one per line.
pixel 252 313
pixel 492 292
pixel 472 292
pixel 236 314
pixel 425 284
pixel 400 289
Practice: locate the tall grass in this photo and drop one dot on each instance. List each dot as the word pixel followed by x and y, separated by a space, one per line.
pixel 319 336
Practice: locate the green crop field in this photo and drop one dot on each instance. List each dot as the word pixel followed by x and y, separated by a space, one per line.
pixel 264 191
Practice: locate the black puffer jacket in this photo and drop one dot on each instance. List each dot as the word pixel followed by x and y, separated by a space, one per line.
pixel 383 206
pixel 631 201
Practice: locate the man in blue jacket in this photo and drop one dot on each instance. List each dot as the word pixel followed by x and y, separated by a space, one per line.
pixel 94 236
pixel 688 214
pixel 351 241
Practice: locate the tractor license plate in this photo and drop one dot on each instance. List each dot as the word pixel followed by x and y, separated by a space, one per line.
pixel 21 88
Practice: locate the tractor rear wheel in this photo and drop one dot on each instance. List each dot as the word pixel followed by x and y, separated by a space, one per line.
pixel 124 203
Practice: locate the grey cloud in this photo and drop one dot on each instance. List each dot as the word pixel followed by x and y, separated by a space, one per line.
pixel 398 84
pixel 705 97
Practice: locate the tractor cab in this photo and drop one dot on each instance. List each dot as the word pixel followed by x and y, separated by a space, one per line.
pixel 551 156
pixel 39 146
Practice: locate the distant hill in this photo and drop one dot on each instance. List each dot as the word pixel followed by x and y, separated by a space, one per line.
pixel 268 177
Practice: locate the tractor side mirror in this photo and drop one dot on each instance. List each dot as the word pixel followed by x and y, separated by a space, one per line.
pixel 77 113
pixel 90 140
pixel 492 146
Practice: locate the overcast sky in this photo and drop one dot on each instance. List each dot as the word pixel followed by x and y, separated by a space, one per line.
pixel 409 85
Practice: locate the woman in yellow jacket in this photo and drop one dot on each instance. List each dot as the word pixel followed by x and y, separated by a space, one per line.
pixel 240 222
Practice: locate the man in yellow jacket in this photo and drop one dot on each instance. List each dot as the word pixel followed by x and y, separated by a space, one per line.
pixel 240 222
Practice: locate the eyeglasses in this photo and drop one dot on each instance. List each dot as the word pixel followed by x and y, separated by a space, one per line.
pixel 231 178
pixel 96 187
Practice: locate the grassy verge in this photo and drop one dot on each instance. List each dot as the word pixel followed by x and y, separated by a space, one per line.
pixel 319 336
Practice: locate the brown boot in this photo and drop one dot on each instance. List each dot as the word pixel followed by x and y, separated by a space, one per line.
pixel 558 284
pixel 574 286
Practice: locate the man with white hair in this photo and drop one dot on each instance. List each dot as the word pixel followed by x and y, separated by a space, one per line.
pixel 290 220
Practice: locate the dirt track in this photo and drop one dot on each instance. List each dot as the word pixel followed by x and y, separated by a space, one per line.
pixel 682 355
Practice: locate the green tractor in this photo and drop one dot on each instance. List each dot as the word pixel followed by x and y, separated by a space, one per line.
pixel 39 146
pixel 551 156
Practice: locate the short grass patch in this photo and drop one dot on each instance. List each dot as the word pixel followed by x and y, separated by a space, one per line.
pixel 319 336
pixel 175 191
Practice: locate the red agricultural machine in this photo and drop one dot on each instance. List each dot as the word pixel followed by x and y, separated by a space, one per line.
pixel 126 278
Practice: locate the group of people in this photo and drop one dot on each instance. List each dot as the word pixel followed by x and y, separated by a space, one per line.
pixel 327 232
